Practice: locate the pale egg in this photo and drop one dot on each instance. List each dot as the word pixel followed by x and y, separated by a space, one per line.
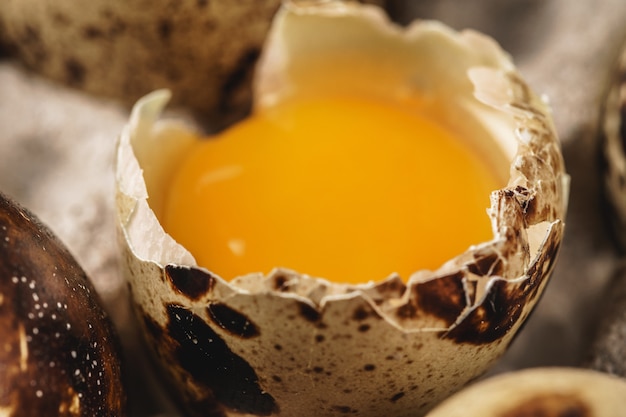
pixel 360 335
pixel 547 392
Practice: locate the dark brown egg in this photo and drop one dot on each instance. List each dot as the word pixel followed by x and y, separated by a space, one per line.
pixel 59 353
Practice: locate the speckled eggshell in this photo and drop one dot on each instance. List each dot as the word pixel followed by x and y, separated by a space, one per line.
pixel 59 353
pixel 540 392
pixel 203 50
pixel 614 151
pixel 288 344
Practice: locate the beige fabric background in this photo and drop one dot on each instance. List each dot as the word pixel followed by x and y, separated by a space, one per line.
pixel 56 156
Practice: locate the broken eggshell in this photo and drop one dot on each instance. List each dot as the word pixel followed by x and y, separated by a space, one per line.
pixel 289 344
pixel 59 353
pixel 545 392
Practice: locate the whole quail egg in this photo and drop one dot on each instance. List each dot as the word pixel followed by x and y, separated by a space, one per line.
pixel 125 49
pixel 59 353
pixel 546 392
pixel 291 341
pixel 614 151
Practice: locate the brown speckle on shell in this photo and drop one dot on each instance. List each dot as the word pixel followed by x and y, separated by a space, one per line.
pixel 444 298
pixel 60 353
pixel 75 72
pixel 550 405
pixel 504 305
pixel 208 359
pixel 192 283
pixel 232 321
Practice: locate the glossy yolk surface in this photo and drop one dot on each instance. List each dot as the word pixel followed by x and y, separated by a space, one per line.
pixel 346 189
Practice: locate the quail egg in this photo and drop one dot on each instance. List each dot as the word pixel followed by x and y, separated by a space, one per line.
pixel 280 339
pixel 125 49
pixel 59 353
pixel 614 152
pixel 547 392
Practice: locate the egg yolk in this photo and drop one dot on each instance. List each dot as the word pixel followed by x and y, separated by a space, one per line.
pixel 347 189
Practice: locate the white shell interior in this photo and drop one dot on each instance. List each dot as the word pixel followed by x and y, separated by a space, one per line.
pixel 462 80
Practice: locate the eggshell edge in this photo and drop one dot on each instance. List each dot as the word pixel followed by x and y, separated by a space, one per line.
pixel 461 317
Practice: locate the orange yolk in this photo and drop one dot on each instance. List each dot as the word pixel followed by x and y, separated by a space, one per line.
pixel 346 189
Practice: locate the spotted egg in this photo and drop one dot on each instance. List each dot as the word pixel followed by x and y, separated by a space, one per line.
pixel 546 392
pixel 123 50
pixel 614 151
pixel 291 343
pixel 59 353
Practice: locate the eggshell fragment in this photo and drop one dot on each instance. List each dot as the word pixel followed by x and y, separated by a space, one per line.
pixel 59 353
pixel 614 151
pixel 545 392
pixel 289 344
pixel 125 49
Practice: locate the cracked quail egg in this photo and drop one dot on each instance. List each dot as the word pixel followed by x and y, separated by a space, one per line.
pixel 356 123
